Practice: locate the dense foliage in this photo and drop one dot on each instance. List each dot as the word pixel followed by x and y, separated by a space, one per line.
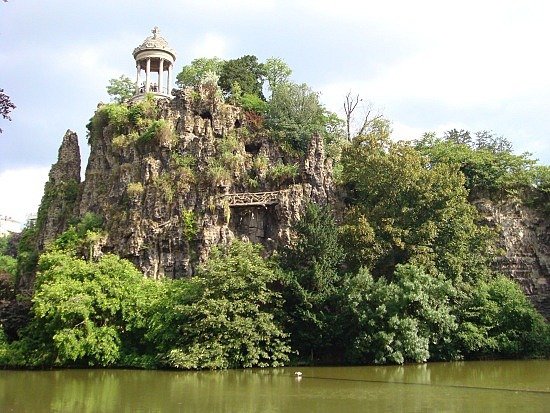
pixel 105 313
pixel 402 209
pixel 292 112
pixel 224 317
pixel 487 161
pixel 312 285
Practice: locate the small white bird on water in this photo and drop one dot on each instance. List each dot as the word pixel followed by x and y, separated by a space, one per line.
pixel 298 373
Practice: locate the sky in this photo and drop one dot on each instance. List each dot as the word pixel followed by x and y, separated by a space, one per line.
pixel 425 65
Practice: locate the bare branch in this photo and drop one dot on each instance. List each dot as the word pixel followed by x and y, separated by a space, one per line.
pixel 349 106
pixel 367 121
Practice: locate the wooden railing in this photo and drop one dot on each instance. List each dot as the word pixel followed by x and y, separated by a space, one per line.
pixel 252 198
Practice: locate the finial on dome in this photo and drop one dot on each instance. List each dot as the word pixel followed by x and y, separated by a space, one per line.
pixel 155 32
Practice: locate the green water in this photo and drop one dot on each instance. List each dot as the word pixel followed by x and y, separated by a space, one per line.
pixel 502 386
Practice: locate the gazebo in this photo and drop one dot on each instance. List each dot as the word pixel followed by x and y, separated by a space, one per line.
pixel 154 57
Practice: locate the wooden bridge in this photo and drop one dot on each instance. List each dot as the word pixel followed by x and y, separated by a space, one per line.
pixel 252 198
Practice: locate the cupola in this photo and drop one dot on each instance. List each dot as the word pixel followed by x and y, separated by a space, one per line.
pixel 154 59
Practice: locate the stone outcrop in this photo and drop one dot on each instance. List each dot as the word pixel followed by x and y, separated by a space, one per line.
pixel 525 241
pixel 163 201
pixel 60 192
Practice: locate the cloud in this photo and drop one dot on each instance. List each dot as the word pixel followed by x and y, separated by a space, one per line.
pixel 210 45
pixel 21 191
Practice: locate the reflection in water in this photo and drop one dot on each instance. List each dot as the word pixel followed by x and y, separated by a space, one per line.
pixel 435 387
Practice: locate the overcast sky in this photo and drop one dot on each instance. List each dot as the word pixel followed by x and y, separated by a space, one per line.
pixel 426 65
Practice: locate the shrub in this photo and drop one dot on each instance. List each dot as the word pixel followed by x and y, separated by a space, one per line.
pixel 165 186
pixel 224 318
pixel 189 224
pixel 134 189
pixel 281 172
pixel 217 174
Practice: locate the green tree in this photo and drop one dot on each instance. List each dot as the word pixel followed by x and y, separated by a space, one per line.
pixel 460 137
pixel 490 141
pixel 312 264
pixel 194 73
pixel 540 196
pixel 121 89
pixel 276 72
pixel 246 72
pixel 403 209
pixel 496 318
pixel 8 263
pixel 295 114
pixel 225 318
pixel 487 162
pixel 86 313
pixel 407 319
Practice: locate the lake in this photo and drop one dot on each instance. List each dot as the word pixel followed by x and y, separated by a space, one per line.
pixel 487 386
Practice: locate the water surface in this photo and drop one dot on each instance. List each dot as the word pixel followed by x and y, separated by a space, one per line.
pixel 500 386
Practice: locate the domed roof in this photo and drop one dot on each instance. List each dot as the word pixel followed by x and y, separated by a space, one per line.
pixel 155 42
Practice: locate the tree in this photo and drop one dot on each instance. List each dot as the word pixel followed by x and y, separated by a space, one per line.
pixel 497 318
pixel 407 319
pixel 276 72
pixel 226 316
pixel 461 137
pixel 487 162
pixel 121 89
pixel 194 73
pixel 246 72
pixel 312 265
pixel 295 114
pixel 490 141
pixel 6 106
pixel 86 313
pixel 403 209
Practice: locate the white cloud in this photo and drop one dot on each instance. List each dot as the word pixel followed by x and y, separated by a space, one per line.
pixel 210 45
pixel 21 191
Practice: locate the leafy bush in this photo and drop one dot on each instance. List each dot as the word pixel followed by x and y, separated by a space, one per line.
pixel 253 103
pixel 407 319
pixel 189 224
pixel 165 186
pixel 134 189
pixel 152 132
pixel 217 174
pixel 280 172
pixel 84 313
pixel 497 318
pixel 229 323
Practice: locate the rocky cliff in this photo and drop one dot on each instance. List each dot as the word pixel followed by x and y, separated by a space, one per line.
pixel 60 192
pixel 525 242
pixel 173 177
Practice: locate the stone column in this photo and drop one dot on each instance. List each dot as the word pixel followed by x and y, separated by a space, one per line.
pixel 161 70
pixel 137 77
pixel 168 85
pixel 147 75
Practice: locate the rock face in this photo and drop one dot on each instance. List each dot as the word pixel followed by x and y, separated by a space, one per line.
pixel 166 200
pixel 525 240
pixel 60 192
